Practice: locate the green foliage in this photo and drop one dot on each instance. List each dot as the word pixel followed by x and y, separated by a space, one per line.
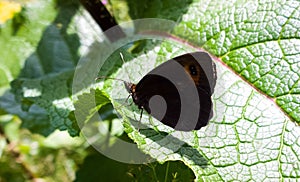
pixel 32 157
pixel 253 135
pixel 110 170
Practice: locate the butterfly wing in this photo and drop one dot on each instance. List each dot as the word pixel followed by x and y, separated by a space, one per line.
pixel 178 92
pixel 160 98
pixel 201 68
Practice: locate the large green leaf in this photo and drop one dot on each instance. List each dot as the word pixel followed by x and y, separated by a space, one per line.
pixel 48 45
pixel 19 38
pixel 254 133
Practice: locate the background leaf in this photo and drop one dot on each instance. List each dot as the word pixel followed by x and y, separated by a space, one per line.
pixel 23 36
pixel 53 60
pixel 111 170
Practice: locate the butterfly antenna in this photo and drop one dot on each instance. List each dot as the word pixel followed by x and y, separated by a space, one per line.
pixel 126 71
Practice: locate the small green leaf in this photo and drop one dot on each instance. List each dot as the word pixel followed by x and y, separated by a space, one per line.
pixel 88 104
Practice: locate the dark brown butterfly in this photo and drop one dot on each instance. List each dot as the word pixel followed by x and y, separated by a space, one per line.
pixel 178 92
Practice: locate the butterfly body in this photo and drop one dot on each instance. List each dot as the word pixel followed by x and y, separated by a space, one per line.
pixel 178 92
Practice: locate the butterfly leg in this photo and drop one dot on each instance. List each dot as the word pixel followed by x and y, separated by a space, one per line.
pixel 142 109
pixel 124 104
pixel 130 104
pixel 127 98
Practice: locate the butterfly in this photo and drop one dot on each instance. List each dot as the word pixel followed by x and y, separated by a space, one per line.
pixel 178 92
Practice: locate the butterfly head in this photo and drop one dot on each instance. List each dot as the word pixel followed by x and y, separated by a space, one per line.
pixel 130 87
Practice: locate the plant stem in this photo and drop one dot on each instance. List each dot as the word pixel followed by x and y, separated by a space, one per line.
pixel 167 171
